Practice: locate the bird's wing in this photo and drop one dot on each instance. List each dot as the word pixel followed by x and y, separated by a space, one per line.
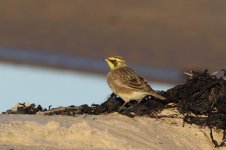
pixel 128 78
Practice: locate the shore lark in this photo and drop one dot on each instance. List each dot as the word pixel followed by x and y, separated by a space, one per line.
pixel 126 83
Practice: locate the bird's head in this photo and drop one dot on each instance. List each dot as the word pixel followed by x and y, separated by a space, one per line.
pixel 115 62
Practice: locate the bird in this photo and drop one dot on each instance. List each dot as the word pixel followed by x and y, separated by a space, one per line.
pixel 126 83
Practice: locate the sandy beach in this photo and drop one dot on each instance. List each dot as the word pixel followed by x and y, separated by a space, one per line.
pixel 112 131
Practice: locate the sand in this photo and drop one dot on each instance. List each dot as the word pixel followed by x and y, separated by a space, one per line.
pixel 108 132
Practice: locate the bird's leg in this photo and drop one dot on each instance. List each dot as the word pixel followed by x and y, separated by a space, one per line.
pixel 123 104
pixel 139 101
pixel 146 97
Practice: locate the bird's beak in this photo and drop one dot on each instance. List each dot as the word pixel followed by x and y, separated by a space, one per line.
pixel 106 59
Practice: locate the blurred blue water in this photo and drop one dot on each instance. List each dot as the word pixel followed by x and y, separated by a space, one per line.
pixel 41 57
pixel 52 87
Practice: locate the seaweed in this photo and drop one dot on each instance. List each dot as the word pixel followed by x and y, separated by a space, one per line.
pixel 22 108
pixel 202 100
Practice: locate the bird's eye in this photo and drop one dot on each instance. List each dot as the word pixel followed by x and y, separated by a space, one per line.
pixel 113 61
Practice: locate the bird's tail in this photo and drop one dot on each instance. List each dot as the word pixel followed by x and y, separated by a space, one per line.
pixel 152 93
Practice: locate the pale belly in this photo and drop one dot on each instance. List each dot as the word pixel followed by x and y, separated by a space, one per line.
pixel 136 95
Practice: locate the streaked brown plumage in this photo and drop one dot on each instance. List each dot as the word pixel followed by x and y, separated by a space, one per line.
pixel 126 83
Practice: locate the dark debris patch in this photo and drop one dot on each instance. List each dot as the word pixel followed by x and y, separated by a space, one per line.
pixel 202 101
pixel 22 108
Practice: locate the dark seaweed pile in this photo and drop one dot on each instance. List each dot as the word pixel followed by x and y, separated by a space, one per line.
pixel 22 108
pixel 202 101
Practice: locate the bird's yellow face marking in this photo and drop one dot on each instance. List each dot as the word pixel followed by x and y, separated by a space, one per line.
pixel 115 62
